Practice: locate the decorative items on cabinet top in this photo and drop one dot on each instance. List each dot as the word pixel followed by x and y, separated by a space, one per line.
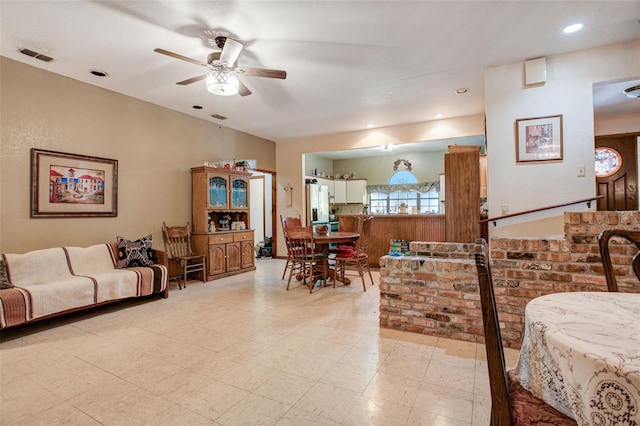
pixel 219 170
pixel 338 176
pixel 238 165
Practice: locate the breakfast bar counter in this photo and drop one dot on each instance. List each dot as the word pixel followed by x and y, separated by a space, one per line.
pixel 412 227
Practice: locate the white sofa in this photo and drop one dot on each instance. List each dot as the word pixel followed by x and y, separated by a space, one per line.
pixel 53 281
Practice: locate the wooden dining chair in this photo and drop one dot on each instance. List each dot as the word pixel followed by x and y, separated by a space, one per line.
pixel 511 404
pixel 177 243
pixel 307 265
pixel 357 257
pixel 609 271
pixel 288 221
pixel 346 223
pixel 349 223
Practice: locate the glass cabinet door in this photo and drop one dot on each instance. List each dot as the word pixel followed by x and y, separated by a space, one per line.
pixel 218 191
pixel 239 193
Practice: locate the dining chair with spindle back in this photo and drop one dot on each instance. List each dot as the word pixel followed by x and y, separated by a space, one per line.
pixel 177 242
pixel 287 222
pixel 357 257
pixel 307 265
pixel 511 404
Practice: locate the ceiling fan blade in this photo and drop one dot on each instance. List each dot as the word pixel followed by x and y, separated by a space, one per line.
pixel 192 80
pixel 262 72
pixel 230 52
pixel 244 90
pixel 177 56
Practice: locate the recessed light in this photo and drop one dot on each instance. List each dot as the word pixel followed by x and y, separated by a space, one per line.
pixel 461 91
pixel 99 73
pixel 438 116
pixel 370 126
pixel 572 28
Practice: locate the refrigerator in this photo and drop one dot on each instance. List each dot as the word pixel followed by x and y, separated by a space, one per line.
pixel 317 197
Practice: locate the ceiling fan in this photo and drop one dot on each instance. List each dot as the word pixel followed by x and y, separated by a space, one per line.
pixel 222 75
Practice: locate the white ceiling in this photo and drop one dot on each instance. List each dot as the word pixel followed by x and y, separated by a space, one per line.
pixel 349 63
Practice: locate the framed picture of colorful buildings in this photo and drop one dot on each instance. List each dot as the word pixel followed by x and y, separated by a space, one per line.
pixel 71 185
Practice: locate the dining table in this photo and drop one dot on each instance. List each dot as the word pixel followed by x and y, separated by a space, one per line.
pixel 335 237
pixel 323 242
pixel 581 355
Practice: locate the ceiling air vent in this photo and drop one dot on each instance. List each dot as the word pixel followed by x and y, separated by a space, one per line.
pixel 36 55
pixel 632 92
pixel 219 117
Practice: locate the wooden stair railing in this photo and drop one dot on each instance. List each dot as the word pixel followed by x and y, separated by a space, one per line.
pixel 484 223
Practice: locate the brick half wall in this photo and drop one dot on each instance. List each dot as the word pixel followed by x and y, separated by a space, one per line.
pixel 435 291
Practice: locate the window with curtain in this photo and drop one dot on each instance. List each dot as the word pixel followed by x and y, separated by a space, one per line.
pixel 403 188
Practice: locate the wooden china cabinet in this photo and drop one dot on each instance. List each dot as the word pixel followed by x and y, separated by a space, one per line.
pixel 219 212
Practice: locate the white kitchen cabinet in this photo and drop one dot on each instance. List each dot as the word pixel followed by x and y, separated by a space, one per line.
pixel 325 182
pixel 340 192
pixel 350 191
pixel 357 191
pixel 320 181
pixel 332 191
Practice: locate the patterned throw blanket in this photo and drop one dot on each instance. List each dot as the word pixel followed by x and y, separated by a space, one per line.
pixel 14 305
pixel 52 281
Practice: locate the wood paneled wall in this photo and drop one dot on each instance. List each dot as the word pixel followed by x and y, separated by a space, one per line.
pixel 462 193
pixel 404 227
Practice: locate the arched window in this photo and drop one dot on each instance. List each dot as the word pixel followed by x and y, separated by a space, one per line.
pixel 408 199
pixel 390 201
pixel 402 176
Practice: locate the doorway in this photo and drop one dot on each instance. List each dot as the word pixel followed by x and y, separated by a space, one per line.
pixel 263 207
pixel 617 171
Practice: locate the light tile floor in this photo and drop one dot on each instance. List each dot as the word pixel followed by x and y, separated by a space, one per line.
pixel 240 351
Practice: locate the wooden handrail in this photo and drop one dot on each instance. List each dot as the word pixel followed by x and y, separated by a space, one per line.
pixel 484 222
pixel 585 200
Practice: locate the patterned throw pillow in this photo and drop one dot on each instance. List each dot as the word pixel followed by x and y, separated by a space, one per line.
pixel 4 277
pixel 134 253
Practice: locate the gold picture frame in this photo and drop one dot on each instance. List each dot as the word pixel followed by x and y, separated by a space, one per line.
pixel 71 185
pixel 539 139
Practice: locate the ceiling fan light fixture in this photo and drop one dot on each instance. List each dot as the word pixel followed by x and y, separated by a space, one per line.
pixel 223 81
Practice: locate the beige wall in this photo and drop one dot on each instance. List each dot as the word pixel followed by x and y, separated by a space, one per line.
pixel 315 162
pixel 154 146
pixel 426 166
pixel 629 123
